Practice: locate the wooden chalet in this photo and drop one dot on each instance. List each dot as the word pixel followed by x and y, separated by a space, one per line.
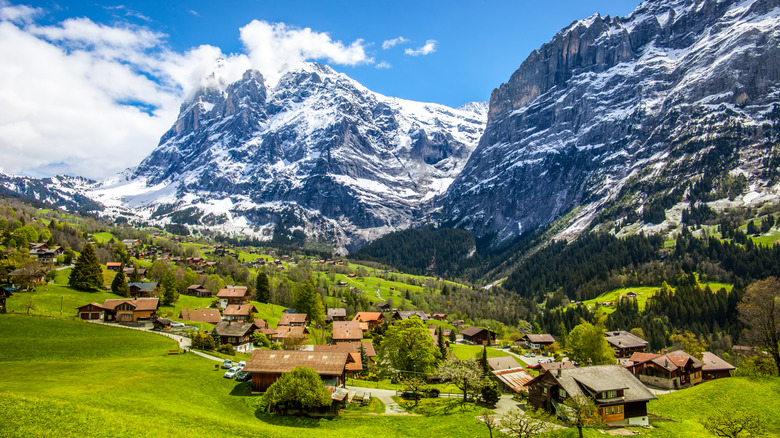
pixel 236 333
pixel 674 370
pixel 439 316
pixel 288 332
pixel 238 312
pixel 347 331
pixel 130 310
pixel 336 314
pixel 267 365
pixel 620 397
pixel 198 290
pixel 210 316
pixel 715 367
pixel 4 295
pixel 142 289
pixel 625 344
pixel 114 266
pixel 232 295
pixel 91 311
pixel 294 320
pixel 538 341
pixel 478 335
pixel 406 314
pixel 129 271
pixel 373 319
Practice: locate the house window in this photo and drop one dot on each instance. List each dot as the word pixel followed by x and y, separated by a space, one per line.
pixel 561 393
pixel 610 394
pixel 544 390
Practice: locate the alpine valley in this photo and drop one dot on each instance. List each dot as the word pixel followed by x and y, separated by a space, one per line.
pixel 623 124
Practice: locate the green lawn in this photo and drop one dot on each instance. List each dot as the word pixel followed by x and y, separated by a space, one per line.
pixel 644 293
pixel 463 352
pixel 47 299
pixel 92 380
pixel 102 237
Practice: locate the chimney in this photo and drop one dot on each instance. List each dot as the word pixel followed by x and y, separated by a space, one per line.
pixel 559 372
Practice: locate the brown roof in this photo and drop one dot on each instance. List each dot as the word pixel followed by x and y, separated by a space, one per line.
pixel 328 363
pixel 139 304
pixel 473 330
pixel 346 324
pixel 349 347
pixel 286 331
pixel 545 338
pixel 368 316
pixel 638 357
pixel 347 333
pixel 556 366
pixel 113 264
pixel 337 311
pixel 232 292
pixel 234 328
pixel 98 305
pixel 515 378
pixel 294 318
pixel 715 363
pixel 502 363
pixel 210 316
pixel 239 310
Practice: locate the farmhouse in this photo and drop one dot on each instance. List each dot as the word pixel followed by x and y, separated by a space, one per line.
pixel 142 289
pixel 354 362
pixel 373 319
pixel 715 367
pixel 537 342
pixel 625 344
pixel 294 320
pixel 238 312
pixel 91 311
pixel 674 370
pixel 232 295
pixel 236 333
pixel 114 266
pixel 130 310
pixel 406 314
pixel 478 335
pixel 621 398
pixel 336 314
pixel 347 331
pixel 210 316
pixel 267 365
pixel 291 332
pixel 199 290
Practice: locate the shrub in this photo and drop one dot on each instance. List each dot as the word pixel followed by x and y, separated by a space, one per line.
pixel 227 349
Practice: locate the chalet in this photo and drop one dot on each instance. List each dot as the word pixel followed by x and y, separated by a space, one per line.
pixel 290 332
pixel 336 314
pixel 198 290
pixel 4 295
pixel 130 310
pixel 267 365
pixel 630 294
pixel 512 380
pixel 384 307
pixel 141 271
pixel 674 370
pixel 236 333
pixel 347 331
pixel 44 255
pixel 238 312
pixel 537 342
pixel 373 319
pixel 131 242
pixel 439 316
pixel 210 316
pixel 478 335
pixel 621 398
pixel 354 364
pixel 715 367
pixel 502 363
pixel 625 344
pixel 294 320
pixel 547 366
pixel 161 323
pixel 232 295
pixel 406 314
pixel 114 266
pixel 91 311
pixel 142 289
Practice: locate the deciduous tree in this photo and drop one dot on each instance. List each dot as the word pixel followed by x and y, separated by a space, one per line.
pixel 760 312
pixel 587 341
pixel 583 412
pixel 735 424
pixel 466 375
pixel 526 424
pixel 407 346
pixel 302 386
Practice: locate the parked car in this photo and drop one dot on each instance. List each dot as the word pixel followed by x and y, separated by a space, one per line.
pixel 227 364
pixel 229 374
pixel 177 324
pixel 529 355
pixel 241 364
pixel 243 376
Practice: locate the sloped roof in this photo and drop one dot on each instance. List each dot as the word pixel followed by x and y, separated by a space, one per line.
pixel 624 339
pixel 239 310
pixel 552 366
pixel 329 363
pixel 599 379
pixel 140 304
pixel 368 316
pixel 210 316
pixel 515 378
pixel 473 330
pixel 638 357
pixel 98 305
pixel 406 314
pixel 294 318
pixel 144 286
pixel 503 363
pixel 232 292
pixel 544 338
pixel 337 311
pixel 715 363
pixel 347 333
pixel 234 328
pixel 349 347
pixel 286 331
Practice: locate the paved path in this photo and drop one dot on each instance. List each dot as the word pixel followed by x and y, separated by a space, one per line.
pixel 505 404
pixel 385 395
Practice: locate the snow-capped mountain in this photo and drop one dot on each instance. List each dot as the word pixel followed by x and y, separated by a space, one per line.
pixel 616 115
pixel 317 151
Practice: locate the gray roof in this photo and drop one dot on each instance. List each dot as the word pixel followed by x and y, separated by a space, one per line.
pixel 234 328
pixel 406 314
pixel 623 339
pixel 503 363
pixel 337 311
pixel 590 380
pixel 143 286
pixel 715 363
pixel 545 338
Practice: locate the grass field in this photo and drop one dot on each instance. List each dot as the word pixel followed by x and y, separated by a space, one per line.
pixel 464 352
pixel 643 294
pixel 91 380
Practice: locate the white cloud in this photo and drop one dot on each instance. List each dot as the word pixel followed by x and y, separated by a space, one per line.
pixel 89 99
pixel 427 49
pixel 276 48
pixel 394 42
pixel 383 65
pixel 194 12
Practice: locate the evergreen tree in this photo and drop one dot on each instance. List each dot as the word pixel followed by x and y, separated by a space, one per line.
pixel 442 343
pixel 484 362
pixel 263 287
pixel 135 277
pixel 170 288
pixel 308 301
pixel 87 274
pixel 119 285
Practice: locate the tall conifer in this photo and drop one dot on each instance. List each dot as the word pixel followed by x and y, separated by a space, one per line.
pixel 87 274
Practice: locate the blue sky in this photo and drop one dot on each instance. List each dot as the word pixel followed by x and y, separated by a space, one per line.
pixel 102 56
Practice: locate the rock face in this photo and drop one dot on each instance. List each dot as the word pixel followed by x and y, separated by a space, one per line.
pixel 317 151
pixel 644 104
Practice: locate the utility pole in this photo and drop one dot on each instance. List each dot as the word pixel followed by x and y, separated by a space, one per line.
pixel 61 299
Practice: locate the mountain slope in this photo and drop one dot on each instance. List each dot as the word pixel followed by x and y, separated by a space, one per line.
pixel 616 114
pixel 317 151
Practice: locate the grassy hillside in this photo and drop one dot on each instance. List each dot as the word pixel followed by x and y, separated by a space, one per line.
pixel 643 294
pixel 123 383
